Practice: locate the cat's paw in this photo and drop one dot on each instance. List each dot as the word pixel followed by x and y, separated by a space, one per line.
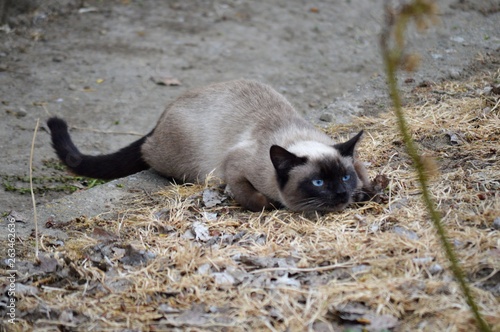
pixel 374 192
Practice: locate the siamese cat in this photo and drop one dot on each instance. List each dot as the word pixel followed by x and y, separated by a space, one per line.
pixel 246 134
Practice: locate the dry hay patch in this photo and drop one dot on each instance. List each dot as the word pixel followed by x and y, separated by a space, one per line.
pixel 170 262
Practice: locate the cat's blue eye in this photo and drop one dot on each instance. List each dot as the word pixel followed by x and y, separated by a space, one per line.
pixel 346 178
pixel 317 183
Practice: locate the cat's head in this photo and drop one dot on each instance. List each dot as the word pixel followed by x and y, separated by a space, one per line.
pixel 313 176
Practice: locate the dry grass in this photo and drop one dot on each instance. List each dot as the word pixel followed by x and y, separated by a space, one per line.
pixel 280 270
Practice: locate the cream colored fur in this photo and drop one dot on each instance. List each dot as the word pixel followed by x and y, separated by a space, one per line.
pixel 228 129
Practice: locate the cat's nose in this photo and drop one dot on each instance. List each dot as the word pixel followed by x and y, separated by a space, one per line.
pixel 341 191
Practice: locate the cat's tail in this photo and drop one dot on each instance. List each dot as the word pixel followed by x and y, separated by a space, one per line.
pixel 110 166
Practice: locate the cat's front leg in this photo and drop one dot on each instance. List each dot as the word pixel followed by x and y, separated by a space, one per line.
pixel 242 190
pixel 246 194
pixel 365 191
pixel 369 190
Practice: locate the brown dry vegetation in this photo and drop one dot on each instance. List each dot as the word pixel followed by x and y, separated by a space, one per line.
pixel 163 263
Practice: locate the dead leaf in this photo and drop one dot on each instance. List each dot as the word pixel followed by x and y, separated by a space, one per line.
pixel 22 289
pixel 201 232
pixel 50 222
pixel 66 316
pixel 166 81
pixel 367 319
pixel 285 280
pixel 47 263
pixel 455 138
pixel 382 322
pixel 119 252
pixel 165 308
pixel 195 316
pixel 423 261
pixel 209 216
pixel 135 257
pixel 188 234
pixel 351 311
pixel 258 262
pixel 16 216
pixel 411 235
pixel 103 235
pixel 204 268
pixel 223 279
pixel 212 198
pixel 86 10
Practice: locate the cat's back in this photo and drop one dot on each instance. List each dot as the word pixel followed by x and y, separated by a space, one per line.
pixel 238 100
pixel 221 115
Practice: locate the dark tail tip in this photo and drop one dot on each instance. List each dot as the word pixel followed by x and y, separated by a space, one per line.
pixel 57 125
pixel 63 145
pixel 59 133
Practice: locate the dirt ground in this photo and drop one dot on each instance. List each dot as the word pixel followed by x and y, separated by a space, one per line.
pixel 99 64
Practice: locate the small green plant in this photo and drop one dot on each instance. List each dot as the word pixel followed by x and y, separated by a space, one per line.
pixel 44 184
pixel 53 183
pixel 54 164
pixel 393 50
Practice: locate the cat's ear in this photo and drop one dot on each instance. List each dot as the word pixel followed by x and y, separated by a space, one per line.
pixel 284 160
pixel 346 149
